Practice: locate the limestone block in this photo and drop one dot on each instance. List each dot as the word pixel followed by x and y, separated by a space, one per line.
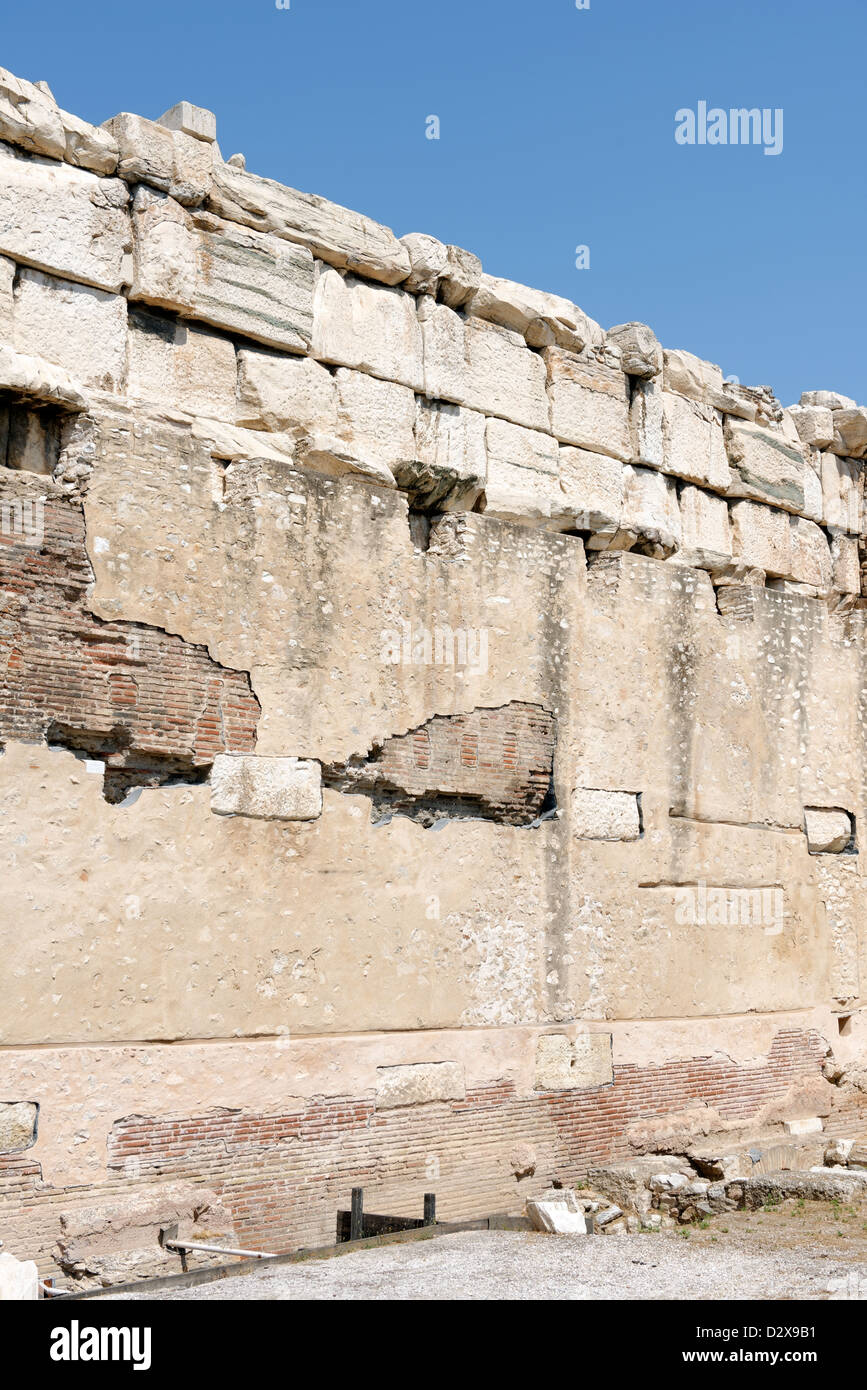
pixel 765 465
pixel 691 376
pixel 814 424
pixel 419 1083
pixel 850 432
pixel 810 561
pixel 19 1279
pixel 842 493
pixel 78 327
pixel 266 788
pixel 508 443
pixel 650 516
pixel 65 221
pixel 814 503
pixel 7 277
pixel 694 447
pixel 335 457
pixel 279 392
pixel 343 238
pixel 787 547
pixel 828 831
pixel 605 815
pixel 31 119
pixel 190 120
pixel 460 278
pixel 646 420
pixel 233 278
pixel 542 318
pixel 556 1218
pixel 169 160
pixel 428 259
pixel 177 365
pixel 526 495
pixel 376 416
pixel 450 449
pixel 566 1064
pixel 640 349
pixel 592 490
pixel 845 565
pixel 17 1125
pixel 232 443
pixel 370 327
pixel 707 540
pixel 827 400
pixel 589 403
pixel 33 379
pixel 482 366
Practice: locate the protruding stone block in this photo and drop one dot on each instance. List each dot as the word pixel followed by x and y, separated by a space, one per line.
pixel 370 327
pixel 428 259
pixel 65 221
pixel 419 1083
pixel 258 286
pixel 17 1125
pixel 278 392
pixel 842 493
pixel 31 119
pixel 827 400
pixel 378 417
pixel 33 379
pixel 460 278
pixel 266 788
pixel 605 815
pixel 845 565
pixel 591 487
pixel 814 424
pixel 541 318
pixel 850 432
pixel 589 403
pixel 178 365
pixel 169 160
pixel 196 121
pixel 556 1217
pixel 691 376
pixel 482 366
pixel 650 517
pixel 786 547
pixel 640 349
pixel 707 540
pixel 563 1063
pixel 828 831
pixel 80 328
pixel 450 449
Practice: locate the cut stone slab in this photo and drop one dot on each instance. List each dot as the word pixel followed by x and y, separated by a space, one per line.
pixel 557 1218
pixel 335 457
pixel 810 553
pixel 842 493
pixel 813 1124
pixel 828 831
pixel 845 565
pixel 233 278
pixel 691 376
pixel 450 449
pixel 605 815
pixel 376 417
pixel 31 119
pixel 31 378
pixel 266 788
pixel 81 329
pixel 190 120
pixel 785 547
pixel 564 1063
pixel 369 327
pixel 693 443
pixel 482 366
pixel 591 485
pixel 646 422
pixel 850 432
pixel 281 392
pixel 419 1083
pixel 17 1125
pixel 523 448
pixel 19 1279
pixel 827 400
pixel 651 515
pixel 814 424
pixel 169 160
pixel 765 465
pixel 707 539
pixel 528 311
pixel 64 221
pixel 7 278
pixel 589 403
pixel 333 233
pixel 176 364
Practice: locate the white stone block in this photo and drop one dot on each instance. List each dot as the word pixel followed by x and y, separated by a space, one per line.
pixel 81 329
pixel 691 376
pixel 450 447
pixel 482 366
pixel 845 565
pixel 828 831
pixel 175 364
pixel 526 310
pixel 333 233
pixel 191 120
pixel 369 327
pixel 591 485
pixel 765 465
pixel 19 1279
pixel 40 381
pixel 827 400
pixel 850 432
pixel 650 516
pixel 564 1063
pixel 257 286
pixel 814 424
pixel 842 493
pixel 810 553
pixel 646 420
pixel 169 160
pixel 589 403
pixel 523 448
pixel 266 788
pixel 419 1083
pixel 280 392
pixel 605 815
pixel 428 260
pixel 460 278
pixel 31 119
pixel 556 1218
pixel 63 220
pixel 811 1124
pixel 640 349
pixel 17 1125
pixel 704 517
pixel 694 447
pixel 787 547
pixel 378 417
pixel 7 277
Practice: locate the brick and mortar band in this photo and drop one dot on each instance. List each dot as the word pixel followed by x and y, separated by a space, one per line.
pixel 432 726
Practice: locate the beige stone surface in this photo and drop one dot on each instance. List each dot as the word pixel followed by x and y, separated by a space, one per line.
pixel 17 1125
pixel 850 432
pixel 691 376
pixel 450 446
pixel 419 1083
pixel 266 788
pixel 605 815
pixel 81 329
pixel 592 490
pixel 260 287
pixel 828 831
pixel 175 364
pixel 167 159
pixel 572 1063
pixel 765 466
pixel 32 378
pixel 789 547
pixel 842 493
pixel 31 119
pixel 814 423
pixel 64 220
pixel 589 403
pixel 7 276
pixel 192 120
pixel 520 308
pixel 370 327
pixel 845 565
pixel 377 417
pixel 281 392
pixel 337 235
pixel 705 526
pixel 482 366
pixel 428 258
pixel 693 445
pixel 651 515
pixel 640 349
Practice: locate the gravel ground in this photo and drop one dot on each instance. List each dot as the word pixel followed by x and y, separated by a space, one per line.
pixel 777 1255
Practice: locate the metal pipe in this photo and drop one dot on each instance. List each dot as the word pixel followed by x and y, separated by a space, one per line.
pixel 217 1250
pixel 49 1290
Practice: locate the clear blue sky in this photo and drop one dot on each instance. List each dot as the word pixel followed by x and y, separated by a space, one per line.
pixel 557 129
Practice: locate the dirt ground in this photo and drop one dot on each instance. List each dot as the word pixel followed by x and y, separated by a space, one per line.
pixel 797 1250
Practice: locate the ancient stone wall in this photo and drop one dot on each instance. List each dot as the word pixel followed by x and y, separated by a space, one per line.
pixel 433 726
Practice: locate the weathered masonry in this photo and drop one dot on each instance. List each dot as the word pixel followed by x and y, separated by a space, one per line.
pixel 433 726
